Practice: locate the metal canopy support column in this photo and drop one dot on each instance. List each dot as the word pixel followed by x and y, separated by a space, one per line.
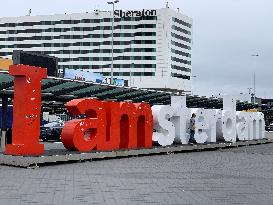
pixel 4 122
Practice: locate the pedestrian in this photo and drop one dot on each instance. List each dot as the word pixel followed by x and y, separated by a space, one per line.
pixel 192 128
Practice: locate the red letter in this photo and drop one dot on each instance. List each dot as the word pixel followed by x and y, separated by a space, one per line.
pixel 144 125
pixel 123 124
pixel 128 123
pixel 112 125
pixel 84 134
pixel 111 140
pixel 26 110
pixel 133 123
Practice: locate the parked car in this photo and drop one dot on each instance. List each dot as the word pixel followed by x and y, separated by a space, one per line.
pixel 52 131
pixel 269 128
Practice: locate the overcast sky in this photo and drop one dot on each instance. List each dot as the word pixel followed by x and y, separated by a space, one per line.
pixel 226 35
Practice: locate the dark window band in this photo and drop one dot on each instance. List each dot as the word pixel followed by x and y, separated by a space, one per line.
pixel 180 53
pixel 127 66
pixel 181 60
pixel 78 21
pixel 180 45
pixel 176 67
pixel 129 73
pixel 97 28
pixel 181 37
pixel 176 75
pixel 182 22
pixel 181 30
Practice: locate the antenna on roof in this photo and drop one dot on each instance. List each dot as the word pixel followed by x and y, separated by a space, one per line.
pixel 167 4
pixel 29 12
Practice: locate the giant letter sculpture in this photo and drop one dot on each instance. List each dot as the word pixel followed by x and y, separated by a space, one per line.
pixel 108 125
pixel 84 134
pixel 26 110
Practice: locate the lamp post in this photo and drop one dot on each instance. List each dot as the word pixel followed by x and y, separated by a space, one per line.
pixel 249 93
pixel 132 66
pixel 193 76
pixel 113 19
pixel 249 90
pixel 254 81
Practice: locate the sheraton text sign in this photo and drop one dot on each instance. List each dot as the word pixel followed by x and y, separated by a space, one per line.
pixel 118 125
pixel 144 12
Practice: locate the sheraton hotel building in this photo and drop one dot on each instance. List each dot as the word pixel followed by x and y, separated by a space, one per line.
pixel 152 48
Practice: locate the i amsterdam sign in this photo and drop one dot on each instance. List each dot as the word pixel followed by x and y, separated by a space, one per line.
pixel 122 125
pixel 144 12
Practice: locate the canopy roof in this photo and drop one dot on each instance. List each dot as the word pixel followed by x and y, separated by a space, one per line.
pixel 62 90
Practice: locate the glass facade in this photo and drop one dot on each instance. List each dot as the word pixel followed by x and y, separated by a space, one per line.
pixel 142 46
pixel 181 43
pixel 83 37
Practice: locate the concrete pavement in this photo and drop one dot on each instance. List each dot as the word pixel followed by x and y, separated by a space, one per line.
pixel 241 175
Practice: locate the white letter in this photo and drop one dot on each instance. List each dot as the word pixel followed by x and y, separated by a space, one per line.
pixel 201 125
pixel 229 126
pixel 214 117
pixel 165 131
pixel 181 114
pixel 229 118
pixel 257 125
pixel 242 125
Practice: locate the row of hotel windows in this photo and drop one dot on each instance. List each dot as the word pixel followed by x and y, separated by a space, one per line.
pixel 180 53
pixel 126 66
pixel 51 45
pixel 78 36
pixel 181 61
pixel 91 51
pixel 176 75
pixel 78 21
pixel 176 67
pixel 182 22
pixel 180 45
pixel 129 73
pixel 181 30
pixel 108 58
pixel 96 28
pixel 181 37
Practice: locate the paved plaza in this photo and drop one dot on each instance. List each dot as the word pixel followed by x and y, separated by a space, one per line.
pixel 241 175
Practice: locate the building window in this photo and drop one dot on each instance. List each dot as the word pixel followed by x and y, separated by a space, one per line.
pixel 181 60
pixel 181 30
pixel 180 53
pixel 182 22
pixel 176 75
pixel 181 68
pixel 181 37
pixel 180 45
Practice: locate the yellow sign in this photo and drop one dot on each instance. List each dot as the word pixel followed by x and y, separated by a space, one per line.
pixel 5 63
pixel 251 110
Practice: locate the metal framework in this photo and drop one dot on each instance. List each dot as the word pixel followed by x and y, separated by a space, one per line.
pixel 63 90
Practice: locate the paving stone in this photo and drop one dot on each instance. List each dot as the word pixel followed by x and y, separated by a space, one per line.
pixel 229 176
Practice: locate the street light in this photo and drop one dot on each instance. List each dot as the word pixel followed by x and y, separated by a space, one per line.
pixel 254 81
pixel 113 19
pixel 249 90
pixel 132 66
pixel 193 76
pixel 250 93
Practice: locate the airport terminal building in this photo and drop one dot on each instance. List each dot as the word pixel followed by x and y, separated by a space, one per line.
pixel 152 48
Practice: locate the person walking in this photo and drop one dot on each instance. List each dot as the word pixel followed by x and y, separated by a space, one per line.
pixel 192 128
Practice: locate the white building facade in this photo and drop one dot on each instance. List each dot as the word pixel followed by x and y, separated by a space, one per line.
pixel 152 48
